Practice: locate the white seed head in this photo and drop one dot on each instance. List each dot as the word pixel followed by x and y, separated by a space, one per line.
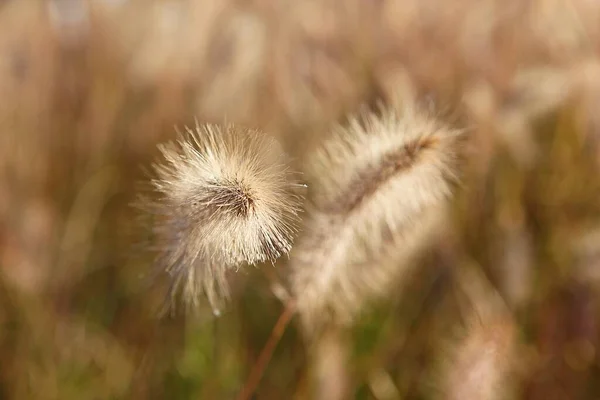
pixel 379 190
pixel 226 197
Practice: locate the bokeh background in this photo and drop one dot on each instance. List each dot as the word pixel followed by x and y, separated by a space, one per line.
pixel 89 87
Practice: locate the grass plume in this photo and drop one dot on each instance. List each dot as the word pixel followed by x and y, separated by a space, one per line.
pixel 482 364
pixel 378 190
pixel 226 197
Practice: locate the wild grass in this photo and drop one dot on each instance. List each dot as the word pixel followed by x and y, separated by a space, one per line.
pixel 89 89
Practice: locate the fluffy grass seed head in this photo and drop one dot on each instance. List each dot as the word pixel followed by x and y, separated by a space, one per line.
pixel 225 197
pixel 379 190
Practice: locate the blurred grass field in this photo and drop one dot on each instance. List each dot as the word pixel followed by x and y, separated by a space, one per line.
pixel 88 88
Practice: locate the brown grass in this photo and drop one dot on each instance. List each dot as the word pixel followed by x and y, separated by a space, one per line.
pixel 88 89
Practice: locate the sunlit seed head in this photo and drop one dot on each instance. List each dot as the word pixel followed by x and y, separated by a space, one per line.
pixel 225 196
pixel 379 192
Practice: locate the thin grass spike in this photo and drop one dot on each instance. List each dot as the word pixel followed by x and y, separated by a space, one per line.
pixel 378 191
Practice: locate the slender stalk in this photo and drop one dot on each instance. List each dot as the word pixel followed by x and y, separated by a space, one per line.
pixel 267 352
pixel 330 361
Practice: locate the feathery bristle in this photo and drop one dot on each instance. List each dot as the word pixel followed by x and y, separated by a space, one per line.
pixel 379 190
pixel 226 197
